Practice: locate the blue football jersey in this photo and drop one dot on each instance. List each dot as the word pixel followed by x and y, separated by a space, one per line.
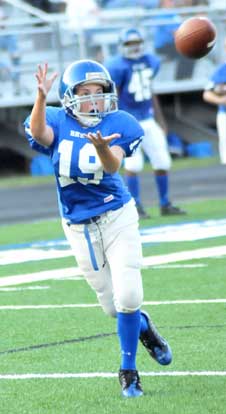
pixel 133 78
pixel 218 77
pixel 84 188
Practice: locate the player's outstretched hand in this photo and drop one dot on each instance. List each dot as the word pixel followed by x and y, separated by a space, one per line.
pixel 99 141
pixel 44 84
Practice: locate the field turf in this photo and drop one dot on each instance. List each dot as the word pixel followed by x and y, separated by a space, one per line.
pixel 59 353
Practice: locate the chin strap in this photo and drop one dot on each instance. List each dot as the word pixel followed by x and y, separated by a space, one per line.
pixel 89 121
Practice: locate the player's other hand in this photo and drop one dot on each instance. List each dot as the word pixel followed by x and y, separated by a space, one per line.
pixel 99 141
pixel 44 84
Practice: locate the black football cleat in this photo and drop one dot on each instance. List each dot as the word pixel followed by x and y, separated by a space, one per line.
pixel 170 210
pixel 130 383
pixel 157 347
pixel 141 212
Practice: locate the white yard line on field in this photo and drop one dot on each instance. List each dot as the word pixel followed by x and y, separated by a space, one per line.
pixel 96 305
pixel 111 375
pixel 17 289
pixel 180 266
pixel 38 276
pixel 147 262
pixel 50 249
pixel 185 255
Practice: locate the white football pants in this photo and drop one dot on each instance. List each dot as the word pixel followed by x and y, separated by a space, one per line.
pixel 154 145
pixel 112 246
pixel 221 129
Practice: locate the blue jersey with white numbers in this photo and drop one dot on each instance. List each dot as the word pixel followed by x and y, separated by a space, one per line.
pixel 84 189
pixel 133 78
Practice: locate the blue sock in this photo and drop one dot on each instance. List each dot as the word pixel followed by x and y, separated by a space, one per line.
pixel 133 184
pixel 162 182
pixel 128 333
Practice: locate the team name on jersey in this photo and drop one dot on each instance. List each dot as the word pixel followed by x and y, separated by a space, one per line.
pixel 76 134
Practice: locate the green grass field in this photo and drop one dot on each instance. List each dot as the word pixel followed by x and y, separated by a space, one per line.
pixel 58 355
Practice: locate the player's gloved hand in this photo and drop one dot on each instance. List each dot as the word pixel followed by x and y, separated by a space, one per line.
pixel 44 84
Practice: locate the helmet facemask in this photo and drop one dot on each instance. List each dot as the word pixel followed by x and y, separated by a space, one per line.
pixel 132 50
pixel 73 102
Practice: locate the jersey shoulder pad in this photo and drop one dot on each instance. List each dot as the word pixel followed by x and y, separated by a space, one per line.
pixel 130 130
pixel 153 61
pixel 52 114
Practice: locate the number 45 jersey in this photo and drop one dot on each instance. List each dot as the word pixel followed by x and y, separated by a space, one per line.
pixel 84 189
pixel 133 79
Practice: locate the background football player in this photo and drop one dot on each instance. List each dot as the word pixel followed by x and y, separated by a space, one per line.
pixel 132 71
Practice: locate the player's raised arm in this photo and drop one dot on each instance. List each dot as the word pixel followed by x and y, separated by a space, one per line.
pixel 41 132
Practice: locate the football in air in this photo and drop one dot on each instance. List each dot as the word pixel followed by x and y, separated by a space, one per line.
pixel 195 37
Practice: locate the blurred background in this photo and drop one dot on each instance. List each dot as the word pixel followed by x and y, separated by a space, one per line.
pixel 60 31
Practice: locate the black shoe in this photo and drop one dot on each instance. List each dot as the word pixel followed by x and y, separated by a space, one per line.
pixel 170 210
pixel 142 213
pixel 157 347
pixel 130 382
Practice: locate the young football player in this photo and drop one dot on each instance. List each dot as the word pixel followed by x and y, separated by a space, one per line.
pixel 87 139
pixel 132 70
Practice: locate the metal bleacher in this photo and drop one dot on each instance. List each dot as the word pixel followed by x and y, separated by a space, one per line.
pixel 46 37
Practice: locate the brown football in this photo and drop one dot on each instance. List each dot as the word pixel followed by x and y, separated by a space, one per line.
pixel 195 37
